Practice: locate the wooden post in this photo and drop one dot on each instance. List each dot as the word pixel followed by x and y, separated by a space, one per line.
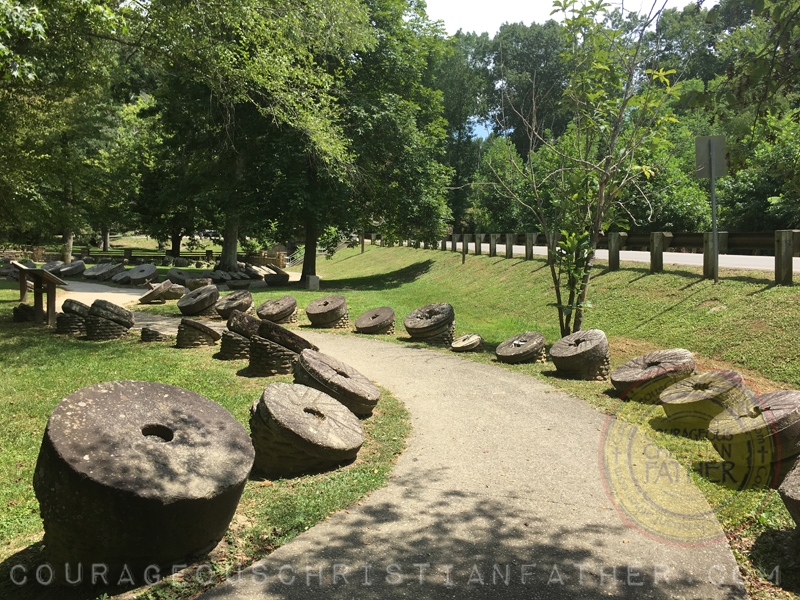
pixel 454 243
pixel 38 308
pixel 616 241
pixel 51 303
pixel 478 243
pixel 659 241
pixel 493 244
pixel 529 240
pixel 23 286
pixel 784 250
pixel 127 253
pixel 510 239
pixel 444 243
pixel 210 255
pixel 711 266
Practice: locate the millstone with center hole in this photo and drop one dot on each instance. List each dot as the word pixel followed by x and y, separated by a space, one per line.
pixel 75 307
pixel 296 429
pixel 326 310
pixel 645 377
pixel 284 337
pixel 193 333
pixel 195 302
pixel 523 347
pixel 467 343
pixel 429 320
pixel 694 401
pixel 143 273
pixel 241 301
pixel 196 284
pixel 179 276
pixel 376 321
pixel 582 355
pixel 70 324
pixel 338 380
pixel 137 473
pixel 157 293
pixel 278 309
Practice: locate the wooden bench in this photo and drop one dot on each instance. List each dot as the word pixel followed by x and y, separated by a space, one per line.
pixel 44 282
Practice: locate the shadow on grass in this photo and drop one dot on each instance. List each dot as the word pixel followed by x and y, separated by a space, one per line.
pixel 778 549
pixel 392 279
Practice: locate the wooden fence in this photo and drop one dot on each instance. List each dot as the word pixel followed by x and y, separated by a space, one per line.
pixel 784 243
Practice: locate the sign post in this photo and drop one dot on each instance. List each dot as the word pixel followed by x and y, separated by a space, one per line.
pixel 710 163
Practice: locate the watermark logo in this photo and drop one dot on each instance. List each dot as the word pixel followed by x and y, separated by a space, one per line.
pixel 726 439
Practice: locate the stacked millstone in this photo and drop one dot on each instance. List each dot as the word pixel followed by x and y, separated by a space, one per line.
pixel 157 293
pixel 282 310
pixel 53 267
pixel 276 277
pixel 73 320
pixel 107 321
pixel 582 355
pixel 645 377
pixel 241 301
pixel 196 284
pixel 200 301
pixel 103 271
pixel 522 348
pixel 274 349
pixel 122 278
pixel 470 342
pixel 329 312
pixel 296 429
pixel 235 342
pixel 192 334
pixel 134 473
pixel 73 269
pixel 692 402
pixel 154 335
pixel 432 323
pixel 338 380
pixel 378 321
pixel 142 274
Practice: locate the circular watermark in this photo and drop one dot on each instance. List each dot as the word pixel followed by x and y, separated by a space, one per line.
pixel 727 439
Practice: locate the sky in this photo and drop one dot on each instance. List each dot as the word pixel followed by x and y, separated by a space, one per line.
pixel 488 15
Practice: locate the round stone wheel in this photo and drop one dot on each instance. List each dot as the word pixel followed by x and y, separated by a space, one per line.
pixel 580 354
pixel 428 318
pixel 241 301
pixel 196 284
pixel 113 270
pixel 143 273
pixel 93 272
pixel 198 300
pixel 278 309
pixel 467 343
pixel 698 399
pixel 179 276
pixel 75 307
pixel 337 379
pixel 375 320
pixel 98 329
pixel 652 373
pixel 276 279
pixel 296 429
pixel 239 284
pixel 326 309
pixel 234 346
pixel 53 266
pixel 156 293
pixel 243 324
pixel 523 347
pixel 286 338
pixel 121 278
pixel 772 417
pixel 134 473
pixel 220 276
pixel 112 312
pixel 200 326
pixel 73 269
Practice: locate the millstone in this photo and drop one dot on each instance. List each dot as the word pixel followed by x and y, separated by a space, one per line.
pixel 241 301
pixel 296 429
pixel 292 318
pixel 244 324
pixel 73 269
pixel 70 324
pixel 338 380
pixel 112 270
pixel 112 312
pixel 521 348
pixel 233 346
pixel 98 329
pixel 133 473
pixel 377 320
pixel 196 284
pixel 276 280
pixel 22 313
pixel 220 276
pixel 789 491
pixel 53 267
pixel 200 326
pixel 157 293
pixel 645 377
pixel 179 276
pixel 142 273
pixel 324 311
pixel 75 307
pixel 694 401
pixel 342 323
pixel 198 300
pixel 429 318
pixel 191 337
pixel 122 278
pixel 174 292
pixel 278 309
pixel 269 358
pixel 444 335
pixel 153 335
pixel 582 355
pixel 467 343
pixel 284 337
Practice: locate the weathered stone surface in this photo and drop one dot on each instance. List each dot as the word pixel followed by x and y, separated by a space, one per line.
pixel 582 355
pixel 296 429
pixel 284 337
pixel 338 380
pixel 75 307
pixel 182 262
pixel 157 293
pixel 244 324
pixel 652 373
pixel 198 300
pixel 220 276
pixel 112 312
pixel 375 321
pixel 122 278
pixel 268 358
pixel 174 292
pixel 98 329
pixel 196 284
pixel 199 325
pixel 278 309
pixel 179 276
pixel 138 473
pixel 53 267
pixel 70 324
pixel 326 310
pixel 233 346
pixel 143 273
pixel 95 271
pixel 276 280
pixel 523 347
pixel 192 337
pixel 113 269
pixel 467 343
pixel 238 284
pixel 241 301
pixel 73 269
pixel 790 493
pixel 430 318
pixel 154 335
pixel 696 400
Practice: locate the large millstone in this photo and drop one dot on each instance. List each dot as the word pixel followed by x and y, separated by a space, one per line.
pixel 694 401
pixel 327 311
pixel 112 312
pixel 429 320
pixel 284 337
pixel 278 309
pixel 179 276
pixel 582 355
pixel 70 324
pixel 645 377
pixel 73 269
pixel 338 380
pixel 137 473
pixel 523 347
pixel 467 343
pixel 244 324
pixel 296 429
pixel 241 301
pixel 192 333
pixel 157 293
pixel 198 300
pixel 75 307
pixel 143 273
pixel 376 321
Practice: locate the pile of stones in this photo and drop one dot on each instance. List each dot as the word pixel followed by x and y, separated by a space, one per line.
pixel 282 310
pixel 107 321
pixel 522 348
pixel 377 321
pixel 329 312
pixel 433 324
pixel 193 333
pixel 72 321
pixel 274 349
pixel 154 335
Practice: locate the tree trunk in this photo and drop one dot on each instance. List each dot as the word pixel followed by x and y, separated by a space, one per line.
pixel 175 239
pixel 362 241
pixel 230 243
pixel 106 235
pixel 310 253
pixel 66 255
